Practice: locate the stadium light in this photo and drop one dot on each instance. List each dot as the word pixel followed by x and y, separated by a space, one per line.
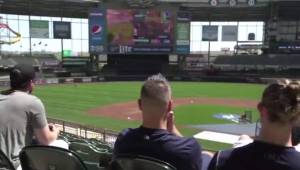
pixel 214 2
pixel 232 3
pixel 251 2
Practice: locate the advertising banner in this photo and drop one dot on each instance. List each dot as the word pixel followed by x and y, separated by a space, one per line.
pixel 62 30
pixel 229 33
pixel 140 31
pixel 97 31
pixel 183 33
pixel 210 33
pixel 39 29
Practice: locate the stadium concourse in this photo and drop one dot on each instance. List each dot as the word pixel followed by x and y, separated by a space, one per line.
pixel 76 42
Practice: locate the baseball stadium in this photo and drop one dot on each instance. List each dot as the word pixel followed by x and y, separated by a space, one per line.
pixel 92 57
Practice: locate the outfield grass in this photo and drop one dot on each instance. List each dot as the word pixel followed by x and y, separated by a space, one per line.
pixel 70 102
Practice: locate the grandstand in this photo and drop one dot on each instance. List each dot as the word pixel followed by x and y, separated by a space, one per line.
pixel 90 41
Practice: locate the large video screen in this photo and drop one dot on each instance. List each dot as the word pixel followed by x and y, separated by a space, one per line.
pixel 140 31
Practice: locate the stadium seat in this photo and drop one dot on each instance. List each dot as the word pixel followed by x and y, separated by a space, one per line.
pixel 5 163
pixel 90 154
pixel 49 158
pixel 138 162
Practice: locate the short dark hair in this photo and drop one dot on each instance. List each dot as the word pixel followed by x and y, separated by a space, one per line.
pixel 21 75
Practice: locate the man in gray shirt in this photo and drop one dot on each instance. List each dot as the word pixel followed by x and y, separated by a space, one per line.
pixel 22 115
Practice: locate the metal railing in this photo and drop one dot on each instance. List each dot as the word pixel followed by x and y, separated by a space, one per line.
pixel 85 131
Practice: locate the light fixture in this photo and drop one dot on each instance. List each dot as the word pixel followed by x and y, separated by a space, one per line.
pixel 232 3
pixel 251 2
pixel 214 2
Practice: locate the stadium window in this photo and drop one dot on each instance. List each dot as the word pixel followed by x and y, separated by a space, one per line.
pixel 24 17
pixel 85 21
pixel 85 48
pixel 13 24
pixel 85 31
pixel 24 45
pixel 55 19
pixel 76 20
pixel 46 18
pixel 9 16
pixel 67 19
pixel 24 28
pixel 35 17
pixel 76 30
pixel 76 47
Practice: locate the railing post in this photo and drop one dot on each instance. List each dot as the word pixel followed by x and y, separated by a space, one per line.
pixel 104 135
pixel 63 125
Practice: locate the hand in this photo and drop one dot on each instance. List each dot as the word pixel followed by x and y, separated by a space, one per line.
pixel 170 121
pixel 171 127
pixel 53 129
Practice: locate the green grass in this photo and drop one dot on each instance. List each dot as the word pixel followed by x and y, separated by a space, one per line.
pixel 71 102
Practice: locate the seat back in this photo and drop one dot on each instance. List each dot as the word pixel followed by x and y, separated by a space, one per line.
pixel 138 162
pixel 49 158
pixel 5 163
pixel 89 153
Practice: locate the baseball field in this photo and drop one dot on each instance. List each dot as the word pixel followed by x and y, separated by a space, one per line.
pixel 112 105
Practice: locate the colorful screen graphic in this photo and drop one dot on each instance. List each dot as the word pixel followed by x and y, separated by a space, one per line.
pixel 140 31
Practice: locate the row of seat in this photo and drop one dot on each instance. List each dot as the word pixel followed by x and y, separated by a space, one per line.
pixel 54 158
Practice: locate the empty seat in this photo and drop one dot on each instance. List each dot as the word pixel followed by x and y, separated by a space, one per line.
pixel 49 158
pixel 137 162
pixel 90 154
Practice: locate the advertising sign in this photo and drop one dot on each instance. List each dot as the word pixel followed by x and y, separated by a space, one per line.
pixel 39 29
pixel 140 31
pixel 210 33
pixel 97 31
pixel 183 33
pixel 229 33
pixel 62 30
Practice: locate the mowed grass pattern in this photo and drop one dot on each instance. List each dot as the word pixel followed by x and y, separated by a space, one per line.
pixel 71 102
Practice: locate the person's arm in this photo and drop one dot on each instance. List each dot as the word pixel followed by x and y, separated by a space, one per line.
pixel 47 134
pixel 171 127
pixel 44 132
pixel 212 165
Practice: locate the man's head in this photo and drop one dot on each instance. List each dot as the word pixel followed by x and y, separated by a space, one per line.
pixel 280 103
pixel 21 77
pixel 155 96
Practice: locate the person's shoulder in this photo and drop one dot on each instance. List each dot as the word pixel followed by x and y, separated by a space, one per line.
pixel 184 144
pixel 25 96
pixel 126 133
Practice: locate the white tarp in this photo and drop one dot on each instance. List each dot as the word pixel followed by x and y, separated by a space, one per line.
pixel 217 137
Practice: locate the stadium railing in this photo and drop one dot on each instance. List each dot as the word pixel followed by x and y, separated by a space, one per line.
pixel 90 132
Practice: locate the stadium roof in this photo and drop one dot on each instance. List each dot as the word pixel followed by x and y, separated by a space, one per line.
pixel 201 9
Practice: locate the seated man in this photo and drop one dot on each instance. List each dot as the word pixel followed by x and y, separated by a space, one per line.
pixel 158 136
pixel 273 149
pixel 22 115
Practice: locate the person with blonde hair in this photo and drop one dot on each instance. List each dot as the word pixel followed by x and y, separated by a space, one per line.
pixel 158 136
pixel 279 110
